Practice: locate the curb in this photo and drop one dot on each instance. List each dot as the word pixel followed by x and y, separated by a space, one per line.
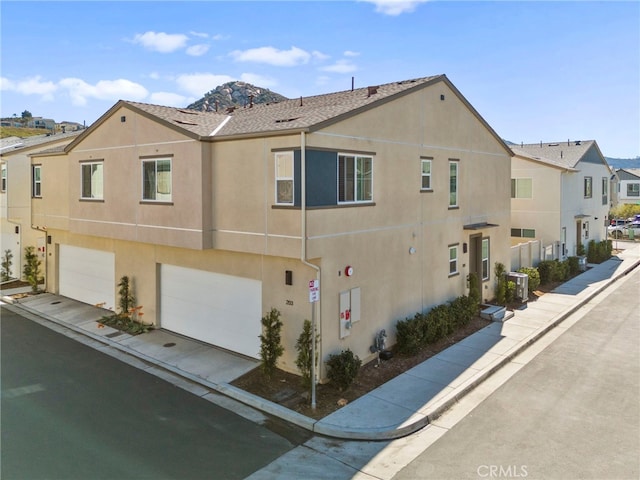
pixel 317 426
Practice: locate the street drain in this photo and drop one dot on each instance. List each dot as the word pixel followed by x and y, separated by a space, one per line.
pixel 170 344
pixel 55 303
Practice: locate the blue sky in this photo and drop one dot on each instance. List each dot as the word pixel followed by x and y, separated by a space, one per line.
pixel 536 71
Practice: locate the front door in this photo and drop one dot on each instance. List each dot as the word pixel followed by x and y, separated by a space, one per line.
pixel 475 255
pixel 578 235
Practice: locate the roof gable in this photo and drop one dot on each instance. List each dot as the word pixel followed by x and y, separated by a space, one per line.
pixel 563 155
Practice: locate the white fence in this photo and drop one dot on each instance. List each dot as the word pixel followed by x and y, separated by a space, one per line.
pixel 529 254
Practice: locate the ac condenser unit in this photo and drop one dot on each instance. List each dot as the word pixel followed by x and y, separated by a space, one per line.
pixel 522 285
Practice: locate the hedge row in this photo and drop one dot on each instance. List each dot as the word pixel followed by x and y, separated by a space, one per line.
pixel 413 334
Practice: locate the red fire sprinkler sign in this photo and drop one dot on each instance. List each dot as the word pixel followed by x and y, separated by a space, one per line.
pixel 314 291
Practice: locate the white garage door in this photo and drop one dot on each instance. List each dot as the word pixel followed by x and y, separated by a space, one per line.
pixel 88 275
pixel 219 309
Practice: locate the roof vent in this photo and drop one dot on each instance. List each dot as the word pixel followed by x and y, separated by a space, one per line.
pixel 577 142
pixel 372 91
pixel 183 122
pixel 188 112
pixel 553 144
pixel 230 109
pixel 286 120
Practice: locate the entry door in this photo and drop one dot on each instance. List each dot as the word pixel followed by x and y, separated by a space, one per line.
pixel 578 235
pixel 475 255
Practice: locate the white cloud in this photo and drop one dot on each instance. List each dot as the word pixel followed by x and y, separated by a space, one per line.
pixel 395 7
pixel 341 66
pixel 80 91
pixel 154 76
pixel 30 86
pixel 198 50
pixel 170 99
pixel 161 42
pixel 198 34
pixel 200 83
pixel 319 55
pixel 272 56
pixel 350 53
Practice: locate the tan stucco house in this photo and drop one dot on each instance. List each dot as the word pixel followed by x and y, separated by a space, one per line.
pixel 389 196
pixel 18 184
pixel 560 195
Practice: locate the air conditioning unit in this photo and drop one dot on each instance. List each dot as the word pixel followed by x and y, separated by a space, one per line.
pixel 522 285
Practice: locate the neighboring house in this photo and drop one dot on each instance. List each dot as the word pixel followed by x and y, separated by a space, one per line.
pixel 39 122
pixel 629 185
pixel 389 196
pixel 16 188
pixel 560 195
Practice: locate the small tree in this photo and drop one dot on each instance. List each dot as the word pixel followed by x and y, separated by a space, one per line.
pixel 32 270
pixel 127 299
pixel 270 343
pixel 6 265
pixel 304 349
pixel 474 288
pixel 501 284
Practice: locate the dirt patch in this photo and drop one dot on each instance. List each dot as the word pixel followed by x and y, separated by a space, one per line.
pixel 286 389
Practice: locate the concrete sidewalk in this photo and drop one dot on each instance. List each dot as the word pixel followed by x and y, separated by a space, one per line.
pixel 401 406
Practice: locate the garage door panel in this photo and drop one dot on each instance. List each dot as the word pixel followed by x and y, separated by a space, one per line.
pixel 87 275
pixel 220 309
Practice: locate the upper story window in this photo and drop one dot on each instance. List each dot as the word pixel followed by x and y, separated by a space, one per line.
pixel 523 232
pixel 453 184
pixel 92 180
pixel 3 184
pixel 355 178
pixel 36 181
pixel 156 179
pixel 605 190
pixel 521 188
pixel 588 187
pixel 453 259
pixel 284 178
pixel 426 173
pixel 633 189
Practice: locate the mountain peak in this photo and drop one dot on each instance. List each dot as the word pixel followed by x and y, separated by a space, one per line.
pixel 235 94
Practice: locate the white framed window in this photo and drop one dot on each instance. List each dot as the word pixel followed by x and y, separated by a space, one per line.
pixel 156 179
pixel 453 259
pixel 36 177
pixel 521 188
pixel 453 184
pixel 284 178
pixel 3 184
pixel 633 189
pixel 485 259
pixel 92 179
pixel 605 190
pixel 355 178
pixel 426 173
pixel 588 187
pixel 523 232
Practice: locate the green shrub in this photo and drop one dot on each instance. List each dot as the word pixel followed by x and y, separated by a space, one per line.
pixel 343 368
pixel 270 342
pixel 409 335
pixel 510 291
pixel 32 268
pixel 501 284
pixel 304 348
pixel 7 261
pixel 534 277
pixel 475 294
pixel 574 265
pixel 600 251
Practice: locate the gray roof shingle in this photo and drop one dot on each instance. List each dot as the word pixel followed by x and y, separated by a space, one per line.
pixel 558 154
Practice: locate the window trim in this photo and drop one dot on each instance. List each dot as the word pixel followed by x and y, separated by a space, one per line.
pixel 355 193
pixel 429 176
pixel 454 194
pixel 3 177
pixel 451 248
pixel 588 187
pixel 605 190
pixel 82 165
pixel 34 182
pixel 155 160
pixel 633 189
pixel 289 155
pixel 521 232
pixel 487 259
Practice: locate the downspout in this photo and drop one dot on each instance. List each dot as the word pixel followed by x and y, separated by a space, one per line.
pixel 305 261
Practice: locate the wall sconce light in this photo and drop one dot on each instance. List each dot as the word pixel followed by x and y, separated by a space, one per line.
pixel 412 250
pixel 17 229
pixel 49 239
pixel 464 248
pixel 288 277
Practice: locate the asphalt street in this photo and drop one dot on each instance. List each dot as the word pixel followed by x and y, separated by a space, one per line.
pixel 571 412
pixel 71 412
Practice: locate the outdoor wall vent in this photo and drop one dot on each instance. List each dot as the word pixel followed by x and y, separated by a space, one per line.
pixel 372 91
pixel 442 97
pixel 123 119
pixel 288 277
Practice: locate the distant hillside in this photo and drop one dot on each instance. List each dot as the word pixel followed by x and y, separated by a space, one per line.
pixel 623 163
pixel 235 94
